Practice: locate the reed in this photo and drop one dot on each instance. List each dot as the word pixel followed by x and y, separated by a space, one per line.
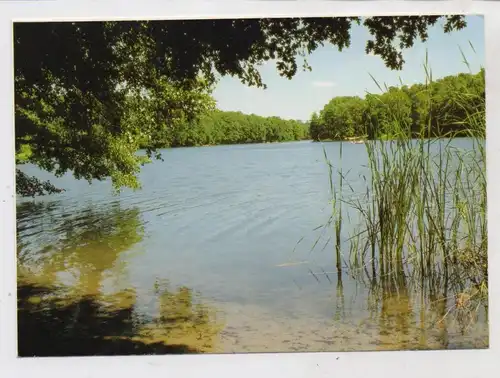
pixel 423 214
pixel 336 203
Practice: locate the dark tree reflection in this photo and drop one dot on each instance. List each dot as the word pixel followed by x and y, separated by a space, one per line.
pixel 79 318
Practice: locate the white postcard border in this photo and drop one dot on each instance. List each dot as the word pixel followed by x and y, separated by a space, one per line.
pixel 476 363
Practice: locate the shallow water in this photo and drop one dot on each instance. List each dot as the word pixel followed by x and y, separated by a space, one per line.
pixel 224 222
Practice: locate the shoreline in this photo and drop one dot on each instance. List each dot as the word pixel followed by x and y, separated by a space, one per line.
pixel 352 141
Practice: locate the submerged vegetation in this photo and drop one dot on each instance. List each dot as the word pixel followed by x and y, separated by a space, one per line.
pixel 422 217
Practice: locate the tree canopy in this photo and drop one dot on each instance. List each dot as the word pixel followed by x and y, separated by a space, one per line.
pixel 87 94
pixel 445 107
pixel 222 127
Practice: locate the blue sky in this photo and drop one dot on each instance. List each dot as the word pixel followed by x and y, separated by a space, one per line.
pixel 346 73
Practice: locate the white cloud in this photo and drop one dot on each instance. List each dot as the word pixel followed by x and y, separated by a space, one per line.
pixel 323 84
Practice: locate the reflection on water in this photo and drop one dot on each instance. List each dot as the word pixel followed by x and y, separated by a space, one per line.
pixel 82 247
pixel 170 270
pixel 55 323
pixel 58 318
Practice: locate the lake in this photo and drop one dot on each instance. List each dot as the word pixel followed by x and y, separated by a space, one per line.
pixel 236 225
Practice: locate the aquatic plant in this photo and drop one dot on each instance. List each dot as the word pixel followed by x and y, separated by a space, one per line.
pixel 423 214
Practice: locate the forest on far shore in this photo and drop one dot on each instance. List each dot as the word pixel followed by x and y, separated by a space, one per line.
pixel 439 108
pixel 431 108
pixel 223 127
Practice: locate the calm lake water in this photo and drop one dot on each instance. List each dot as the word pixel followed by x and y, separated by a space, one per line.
pixel 224 222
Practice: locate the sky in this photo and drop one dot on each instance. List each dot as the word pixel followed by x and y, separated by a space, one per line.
pixel 347 73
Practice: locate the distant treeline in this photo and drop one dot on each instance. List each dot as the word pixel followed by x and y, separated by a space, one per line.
pixel 442 107
pixel 222 127
pixel 436 109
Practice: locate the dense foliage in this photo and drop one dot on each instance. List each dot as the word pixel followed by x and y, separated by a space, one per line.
pixel 429 108
pixel 88 93
pixel 221 127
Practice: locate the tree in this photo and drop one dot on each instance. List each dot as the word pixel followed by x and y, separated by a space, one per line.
pixel 449 106
pixel 342 117
pixel 88 94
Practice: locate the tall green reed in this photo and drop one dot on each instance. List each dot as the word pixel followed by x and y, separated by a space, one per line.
pixel 336 203
pixel 423 215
